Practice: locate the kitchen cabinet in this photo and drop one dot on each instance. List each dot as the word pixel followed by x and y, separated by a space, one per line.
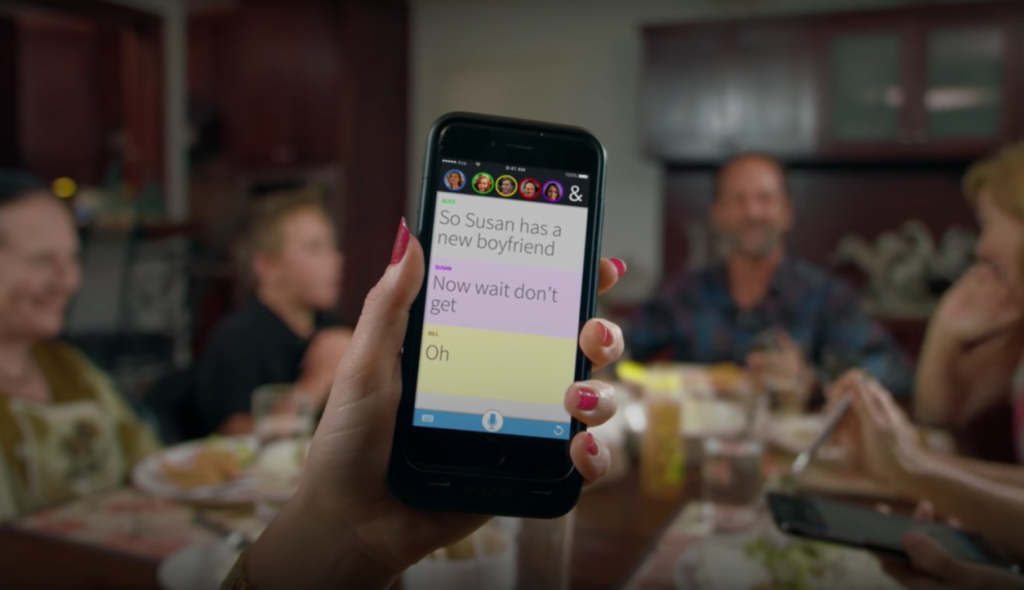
pixel 942 82
pixel 727 89
pixel 936 83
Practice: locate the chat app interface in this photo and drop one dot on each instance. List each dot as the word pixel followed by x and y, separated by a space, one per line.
pixel 503 299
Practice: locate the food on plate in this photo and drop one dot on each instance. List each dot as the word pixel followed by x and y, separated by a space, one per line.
pixel 793 564
pixel 209 466
pixel 789 567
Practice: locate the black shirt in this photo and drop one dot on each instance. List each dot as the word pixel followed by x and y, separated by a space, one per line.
pixel 250 348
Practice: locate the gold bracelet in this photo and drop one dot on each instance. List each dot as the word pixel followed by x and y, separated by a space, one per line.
pixel 238 579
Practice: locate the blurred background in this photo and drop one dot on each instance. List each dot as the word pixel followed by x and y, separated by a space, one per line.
pixel 160 119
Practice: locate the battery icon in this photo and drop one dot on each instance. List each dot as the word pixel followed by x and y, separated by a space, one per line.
pixel 583 176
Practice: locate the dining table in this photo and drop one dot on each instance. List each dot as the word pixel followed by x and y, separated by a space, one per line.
pixel 118 539
pixel 622 538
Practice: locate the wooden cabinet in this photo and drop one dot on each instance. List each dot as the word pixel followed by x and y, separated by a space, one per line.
pixel 918 83
pixel 270 71
pixel 727 89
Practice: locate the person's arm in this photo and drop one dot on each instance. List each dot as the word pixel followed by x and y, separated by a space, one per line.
pixel 226 379
pixel 970 350
pixel 985 506
pixel 955 383
pixel 1011 475
pixel 320 363
pixel 881 439
pixel 328 556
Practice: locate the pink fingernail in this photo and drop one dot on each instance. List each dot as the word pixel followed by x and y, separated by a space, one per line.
pixel 606 337
pixel 592 445
pixel 620 265
pixel 401 243
pixel 588 398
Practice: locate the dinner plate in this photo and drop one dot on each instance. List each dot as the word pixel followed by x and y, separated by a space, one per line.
pixel 149 477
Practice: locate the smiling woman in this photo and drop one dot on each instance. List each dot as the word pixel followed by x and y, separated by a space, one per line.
pixel 64 430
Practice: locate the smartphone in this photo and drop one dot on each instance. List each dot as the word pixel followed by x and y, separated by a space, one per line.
pixel 847 524
pixel 510 223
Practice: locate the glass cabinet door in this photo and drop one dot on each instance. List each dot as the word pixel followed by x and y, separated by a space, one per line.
pixel 867 95
pixel 963 96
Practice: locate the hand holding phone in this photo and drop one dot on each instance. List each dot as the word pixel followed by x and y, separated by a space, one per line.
pixel 344 507
pixel 510 222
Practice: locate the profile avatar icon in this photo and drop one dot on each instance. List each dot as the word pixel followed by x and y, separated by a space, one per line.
pixel 529 188
pixel 455 180
pixel 507 185
pixel 483 183
pixel 553 191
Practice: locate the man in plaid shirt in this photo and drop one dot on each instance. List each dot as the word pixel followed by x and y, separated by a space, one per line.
pixel 784 319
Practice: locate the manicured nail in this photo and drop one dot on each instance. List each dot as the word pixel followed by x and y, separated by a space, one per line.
pixel 592 445
pixel 620 266
pixel 606 335
pixel 588 398
pixel 401 242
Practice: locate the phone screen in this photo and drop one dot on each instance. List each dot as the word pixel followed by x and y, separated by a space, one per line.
pixel 504 290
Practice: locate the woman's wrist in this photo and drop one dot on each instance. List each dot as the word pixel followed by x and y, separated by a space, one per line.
pixel 303 550
pixel 917 467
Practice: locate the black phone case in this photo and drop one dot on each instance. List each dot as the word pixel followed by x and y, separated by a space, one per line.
pixel 995 558
pixel 485 494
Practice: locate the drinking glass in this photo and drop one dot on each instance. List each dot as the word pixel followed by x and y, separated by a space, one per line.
pixel 662 454
pixel 283 425
pixel 732 479
pixel 545 552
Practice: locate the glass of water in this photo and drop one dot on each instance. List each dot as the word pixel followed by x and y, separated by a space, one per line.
pixel 732 480
pixel 283 426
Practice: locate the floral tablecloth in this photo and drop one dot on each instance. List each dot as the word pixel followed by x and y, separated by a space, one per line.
pixel 123 520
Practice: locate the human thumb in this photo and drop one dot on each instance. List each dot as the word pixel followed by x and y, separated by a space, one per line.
pixel 378 337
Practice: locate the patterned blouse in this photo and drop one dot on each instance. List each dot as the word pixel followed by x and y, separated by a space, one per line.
pixel 83 440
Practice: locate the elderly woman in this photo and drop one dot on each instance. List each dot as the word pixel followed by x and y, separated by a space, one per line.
pixel 64 431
